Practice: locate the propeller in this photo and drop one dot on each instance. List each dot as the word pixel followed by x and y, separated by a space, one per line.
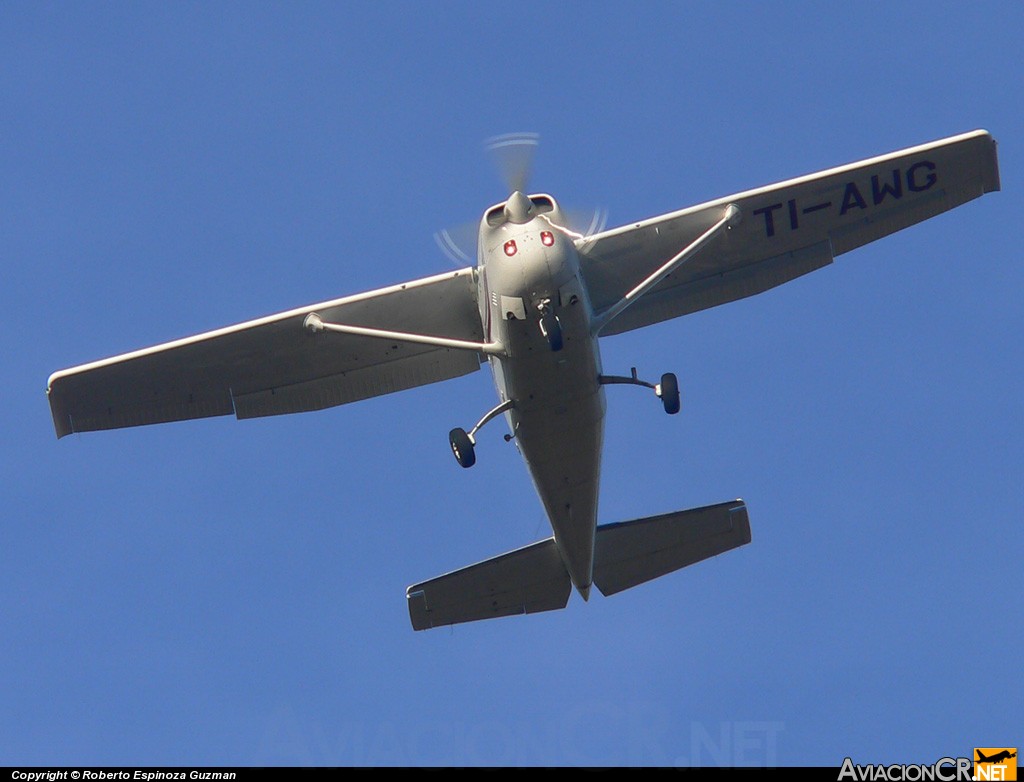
pixel 458 243
pixel 513 154
pixel 587 223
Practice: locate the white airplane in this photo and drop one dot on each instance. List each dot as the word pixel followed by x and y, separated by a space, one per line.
pixel 534 308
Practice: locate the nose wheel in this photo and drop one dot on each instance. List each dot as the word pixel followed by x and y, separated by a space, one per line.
pixel 549 325
pixel 552 330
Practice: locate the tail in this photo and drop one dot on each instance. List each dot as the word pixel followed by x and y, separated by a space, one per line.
pixel 533 578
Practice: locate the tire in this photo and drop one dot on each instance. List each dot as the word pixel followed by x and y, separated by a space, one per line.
pixel 670 393
pixel 552 329
pixel 462 447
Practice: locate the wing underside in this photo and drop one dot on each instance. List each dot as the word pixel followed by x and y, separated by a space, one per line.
pixel 787 230
pixel 273 365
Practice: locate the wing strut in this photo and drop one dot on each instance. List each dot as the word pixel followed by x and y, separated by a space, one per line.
pixel 314 323
pixel 729 219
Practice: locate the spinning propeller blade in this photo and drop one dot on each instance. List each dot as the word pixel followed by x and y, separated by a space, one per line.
pixel 514 153
pixel 458 244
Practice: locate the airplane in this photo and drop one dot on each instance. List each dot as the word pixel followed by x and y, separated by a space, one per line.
pixel 997 758
pixel 535 307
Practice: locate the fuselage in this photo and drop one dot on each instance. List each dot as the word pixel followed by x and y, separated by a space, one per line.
pixel 528 272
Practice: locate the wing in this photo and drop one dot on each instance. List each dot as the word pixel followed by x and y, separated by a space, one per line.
pixel 787 229
pixel 273 365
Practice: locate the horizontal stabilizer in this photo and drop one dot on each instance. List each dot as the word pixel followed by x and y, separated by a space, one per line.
pixel 523 581
pixel 632 552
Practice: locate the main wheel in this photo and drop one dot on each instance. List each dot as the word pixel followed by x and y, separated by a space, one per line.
pixel 462 447
pixel 552 329
pixel 670 393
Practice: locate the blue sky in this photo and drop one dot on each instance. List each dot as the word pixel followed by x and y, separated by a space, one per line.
pixel 233 592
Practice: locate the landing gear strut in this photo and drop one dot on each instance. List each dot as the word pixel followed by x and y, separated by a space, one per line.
pixel 463 443
pixel 667 390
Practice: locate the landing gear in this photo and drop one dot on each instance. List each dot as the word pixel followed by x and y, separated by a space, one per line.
pixel 552 329
pixel 667 390
pixel 549 325
pixel 463 443
pixel 462 447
